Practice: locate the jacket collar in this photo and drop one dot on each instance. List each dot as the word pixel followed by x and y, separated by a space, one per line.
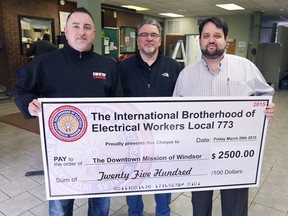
pixel 75 54
pixel 141 61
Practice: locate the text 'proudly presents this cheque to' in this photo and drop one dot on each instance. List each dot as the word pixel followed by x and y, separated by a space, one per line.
pixel 96 147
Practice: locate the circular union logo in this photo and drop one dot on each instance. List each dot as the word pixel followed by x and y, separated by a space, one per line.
pixel 67 123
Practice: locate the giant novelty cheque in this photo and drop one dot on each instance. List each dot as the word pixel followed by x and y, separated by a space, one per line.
pixel 99 147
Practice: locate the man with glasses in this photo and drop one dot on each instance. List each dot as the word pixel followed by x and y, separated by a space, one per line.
pixel 149 74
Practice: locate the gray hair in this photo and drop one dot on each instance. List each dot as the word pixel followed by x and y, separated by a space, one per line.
pixel 150 22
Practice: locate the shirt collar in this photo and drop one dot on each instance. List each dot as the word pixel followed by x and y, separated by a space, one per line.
pixel 220 65
pixel 139 58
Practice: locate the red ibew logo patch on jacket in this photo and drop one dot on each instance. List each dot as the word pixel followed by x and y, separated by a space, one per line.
pixel 99 75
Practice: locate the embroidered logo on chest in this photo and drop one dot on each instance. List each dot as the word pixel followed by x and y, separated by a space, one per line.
pixel 165 74
pixel 99 75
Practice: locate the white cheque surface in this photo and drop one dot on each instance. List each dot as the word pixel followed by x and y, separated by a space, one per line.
pixel 95 147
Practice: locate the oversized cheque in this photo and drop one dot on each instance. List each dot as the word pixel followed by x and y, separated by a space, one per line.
pixel 95 147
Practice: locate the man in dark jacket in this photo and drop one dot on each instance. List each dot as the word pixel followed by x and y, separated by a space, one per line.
pixel 149 74
pixel 69 72
pixel 41 46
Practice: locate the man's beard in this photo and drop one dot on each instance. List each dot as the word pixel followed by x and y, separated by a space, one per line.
pixel 150 50
pixel 212 55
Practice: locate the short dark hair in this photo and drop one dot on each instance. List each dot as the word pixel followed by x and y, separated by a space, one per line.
pixel 150 22
pixel 80 10
pixel 218 21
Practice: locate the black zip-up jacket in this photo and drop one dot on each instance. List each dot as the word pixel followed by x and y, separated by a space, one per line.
pixel 66 73
pixel 138 79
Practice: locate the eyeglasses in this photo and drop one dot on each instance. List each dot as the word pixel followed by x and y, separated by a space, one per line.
pixel 146 35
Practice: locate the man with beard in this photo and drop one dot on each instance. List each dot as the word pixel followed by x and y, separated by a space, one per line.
pixel 149 74
pixel 220 74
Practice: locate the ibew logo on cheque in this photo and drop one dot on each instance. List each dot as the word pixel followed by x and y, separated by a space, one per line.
pixel 67 123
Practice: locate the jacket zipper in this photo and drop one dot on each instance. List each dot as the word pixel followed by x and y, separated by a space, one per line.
pixel 149 84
